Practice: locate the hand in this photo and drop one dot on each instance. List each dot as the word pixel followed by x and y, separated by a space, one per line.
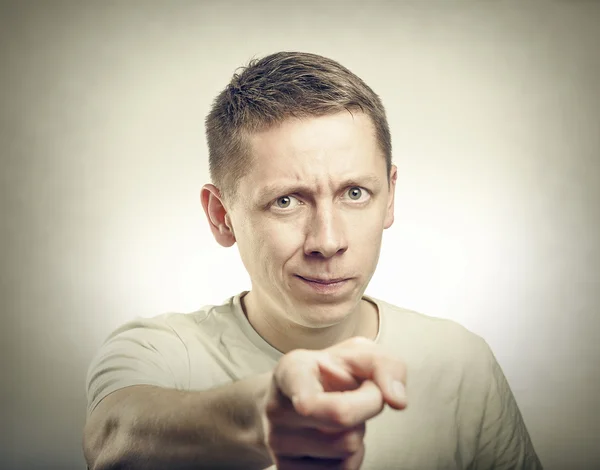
pixel 319 401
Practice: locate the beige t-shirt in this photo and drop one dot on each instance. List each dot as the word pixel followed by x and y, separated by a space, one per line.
pixel 461 412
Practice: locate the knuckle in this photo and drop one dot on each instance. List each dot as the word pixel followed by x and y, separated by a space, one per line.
pixel 271 403
pixel 282 366
pixel 287 361
pixel 273 440
pixel 342 415
pixel 361 430
pixel 354 462
pixel 350 442
pixel 290 362
pixel 272 410
pixel 275 410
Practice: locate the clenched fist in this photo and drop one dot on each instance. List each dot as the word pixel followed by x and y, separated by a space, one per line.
pixel 319 402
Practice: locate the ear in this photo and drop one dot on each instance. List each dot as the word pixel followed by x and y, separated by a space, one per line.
pixel 389 215
pixel 216 213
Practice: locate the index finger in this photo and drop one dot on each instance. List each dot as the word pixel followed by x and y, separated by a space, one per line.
pixel 368 362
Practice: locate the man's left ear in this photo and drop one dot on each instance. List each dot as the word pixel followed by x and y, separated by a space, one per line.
pixel 389 215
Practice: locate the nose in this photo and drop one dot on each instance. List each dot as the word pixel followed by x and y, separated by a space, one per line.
pixel 325 234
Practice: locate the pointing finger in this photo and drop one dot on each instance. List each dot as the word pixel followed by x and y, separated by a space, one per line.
pixel 368 362
pixel 345 409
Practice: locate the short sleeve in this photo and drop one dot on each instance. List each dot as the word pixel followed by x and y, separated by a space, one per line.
pixel 141 352
pixel 504 442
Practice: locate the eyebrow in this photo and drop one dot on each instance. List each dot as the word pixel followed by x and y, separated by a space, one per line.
pixel 271 190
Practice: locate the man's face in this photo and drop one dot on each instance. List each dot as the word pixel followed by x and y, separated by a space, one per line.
pixel 313 206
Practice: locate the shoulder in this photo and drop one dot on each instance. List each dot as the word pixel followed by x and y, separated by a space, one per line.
pixel 172 323
pixel 445 361
pixel 427 338
pixel 152 328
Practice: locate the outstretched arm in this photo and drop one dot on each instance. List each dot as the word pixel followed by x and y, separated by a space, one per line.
pixel 149 427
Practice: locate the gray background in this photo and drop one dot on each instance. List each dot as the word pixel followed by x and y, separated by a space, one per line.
pixel 494 108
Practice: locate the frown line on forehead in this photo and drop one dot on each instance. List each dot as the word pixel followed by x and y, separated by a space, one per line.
pixel 281 188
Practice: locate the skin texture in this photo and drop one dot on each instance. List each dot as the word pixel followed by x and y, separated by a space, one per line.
pixel 314 203
pixel 319 401
pixel 325 220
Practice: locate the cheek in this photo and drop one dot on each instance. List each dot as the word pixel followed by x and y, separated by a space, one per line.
pixel 365 236
pixel 270 245
pixel 366 227
pixel 280 239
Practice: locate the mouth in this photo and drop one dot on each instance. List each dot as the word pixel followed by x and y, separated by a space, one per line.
pixel 326 286
pixel 324 281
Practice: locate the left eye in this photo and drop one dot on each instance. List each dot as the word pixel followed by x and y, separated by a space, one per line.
pixel 355 193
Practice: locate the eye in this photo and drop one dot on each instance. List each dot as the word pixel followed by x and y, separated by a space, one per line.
pixel 355 193
pixel 285 202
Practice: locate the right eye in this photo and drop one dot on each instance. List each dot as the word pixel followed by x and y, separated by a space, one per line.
pixel 285 202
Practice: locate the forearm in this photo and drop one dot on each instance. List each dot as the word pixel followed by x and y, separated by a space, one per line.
pixel 154 428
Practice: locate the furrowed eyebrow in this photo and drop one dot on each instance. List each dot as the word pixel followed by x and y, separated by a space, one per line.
pixel 273 190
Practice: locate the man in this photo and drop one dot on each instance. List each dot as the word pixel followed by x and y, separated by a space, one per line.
pixel 290 373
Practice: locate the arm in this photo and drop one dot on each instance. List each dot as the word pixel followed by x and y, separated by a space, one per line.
pixel 142 412
pixel 151 427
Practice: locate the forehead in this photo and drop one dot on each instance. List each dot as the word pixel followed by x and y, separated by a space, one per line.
pixel 315 150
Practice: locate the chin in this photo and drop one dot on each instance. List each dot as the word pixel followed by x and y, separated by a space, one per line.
pixel 322 315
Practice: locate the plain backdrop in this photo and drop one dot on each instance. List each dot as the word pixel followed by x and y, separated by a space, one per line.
pixel 494 108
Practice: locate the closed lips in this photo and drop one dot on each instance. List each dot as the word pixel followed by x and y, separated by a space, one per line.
pixel 323 281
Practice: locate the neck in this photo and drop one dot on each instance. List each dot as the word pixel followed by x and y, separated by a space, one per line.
pixel 285 335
